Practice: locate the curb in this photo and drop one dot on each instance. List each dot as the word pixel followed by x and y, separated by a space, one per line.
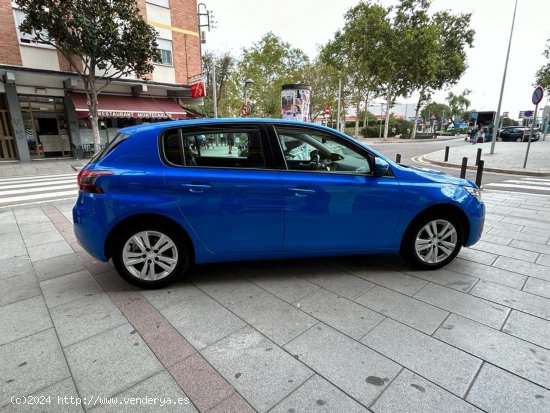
pixel 474 168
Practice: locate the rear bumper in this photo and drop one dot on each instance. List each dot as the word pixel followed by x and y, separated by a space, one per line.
pixel 89 221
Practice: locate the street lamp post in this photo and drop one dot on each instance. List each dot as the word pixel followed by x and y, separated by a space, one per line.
pixel 497 118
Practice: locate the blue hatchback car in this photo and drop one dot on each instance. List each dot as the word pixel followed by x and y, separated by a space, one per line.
pixel 155 201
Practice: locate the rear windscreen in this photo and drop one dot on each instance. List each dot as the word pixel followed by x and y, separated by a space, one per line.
pixel 118 139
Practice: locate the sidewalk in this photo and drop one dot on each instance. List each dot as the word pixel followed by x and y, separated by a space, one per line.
pixel 351 334
pixel 508 157
pixel 41 167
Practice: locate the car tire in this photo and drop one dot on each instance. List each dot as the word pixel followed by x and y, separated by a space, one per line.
pixel 440 235
pixel 138 261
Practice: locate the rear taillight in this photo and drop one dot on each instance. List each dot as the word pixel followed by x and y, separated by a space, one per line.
pixel 87 181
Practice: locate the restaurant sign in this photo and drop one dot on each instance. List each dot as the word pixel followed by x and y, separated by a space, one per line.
pixel 139 115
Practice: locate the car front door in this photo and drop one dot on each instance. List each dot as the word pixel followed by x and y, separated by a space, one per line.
pixel 233 201
pixel 333 202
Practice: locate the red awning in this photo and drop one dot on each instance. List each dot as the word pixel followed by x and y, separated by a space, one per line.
pixel 124 106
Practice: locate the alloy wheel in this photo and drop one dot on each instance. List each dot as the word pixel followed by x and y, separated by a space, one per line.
pixel 436 241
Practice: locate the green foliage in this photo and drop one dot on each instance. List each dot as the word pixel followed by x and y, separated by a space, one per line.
pixel 543 74
pixel 402 127
pixel 227 100
pixel 459 104
pixel 437 109
pixel 270 63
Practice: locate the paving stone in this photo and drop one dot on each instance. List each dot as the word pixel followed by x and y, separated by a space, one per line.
pixel 28 229
pixel 275 318
pixel 519 300
pixel 30 216
pixel 71 287
pixel 288 288
pixel 234 403
pixel 544 260
pixel 111 281
pixel 503 225
pixel 410 393
pixel 110 362
pixel 57 266
pixel 447 278
pixel 510 353
pixel 98 267
pixel 42 238
pixel 535 231
pixel 354 368
pixel 23 318
pixel 495 239
pixel 227 290
pixel 15 266
pixel 394 280
pixel 440 363
pixel 168 296
pixel 502 250
pixel 13 249
pixel 474 255
pixel 463 304
pixel 18 288
pixel 258 369
pixel 522 236
pixel 538 287
pixel 527 222
pixel 201 320
pixel 410 311
pixel 522 267
pixel 340 313
pixel 85 318
pixel 340 283
pixel 496 390
pixel 318 395
pixel 161 386
pixel 487 273
pixel 529 328
pixel 30 364
pixel 49 250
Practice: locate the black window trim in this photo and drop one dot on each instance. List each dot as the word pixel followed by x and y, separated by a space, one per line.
pixel 207 128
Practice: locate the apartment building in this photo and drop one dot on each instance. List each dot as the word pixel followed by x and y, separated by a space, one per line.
pixel 43 108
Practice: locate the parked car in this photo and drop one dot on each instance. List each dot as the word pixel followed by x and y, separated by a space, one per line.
pixel 155 203
pixel 518 134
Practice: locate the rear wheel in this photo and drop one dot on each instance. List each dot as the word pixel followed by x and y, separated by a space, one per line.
pixel 150 256
pixel 432 242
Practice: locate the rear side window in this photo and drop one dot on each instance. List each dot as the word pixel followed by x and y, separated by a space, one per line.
pixel 235 148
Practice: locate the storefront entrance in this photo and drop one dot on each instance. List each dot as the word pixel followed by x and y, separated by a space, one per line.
pixel 8 150
pixel 45 126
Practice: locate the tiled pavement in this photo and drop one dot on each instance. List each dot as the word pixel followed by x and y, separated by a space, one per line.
pixel 334 335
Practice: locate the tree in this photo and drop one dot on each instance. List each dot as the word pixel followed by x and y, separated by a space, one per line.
pixel 543 74
pixel 440 110
pixel 459 104
pixel 439 42
pixel 270 63
pixel 225 67
pixel 102 40
pixel 323 80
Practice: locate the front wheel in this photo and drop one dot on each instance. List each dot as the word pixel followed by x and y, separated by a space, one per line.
pixel 433 242
pixel 150 256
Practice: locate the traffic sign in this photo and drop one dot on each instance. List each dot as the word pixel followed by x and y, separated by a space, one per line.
pixel 473 115
pixel 528 114
pixel 537 95
pixel 327 111
pixel 245 110
pixel 505 114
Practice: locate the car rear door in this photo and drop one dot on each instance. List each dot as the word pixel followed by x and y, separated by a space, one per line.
pixel 233 202
pixel 343 208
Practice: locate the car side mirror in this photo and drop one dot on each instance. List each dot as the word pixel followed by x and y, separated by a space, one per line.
pixel 381 167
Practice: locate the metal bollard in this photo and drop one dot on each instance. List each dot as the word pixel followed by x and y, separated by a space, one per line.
pixel 479 174
pixel 463 167
pixel 478 157
pixel 398 158
pixel 446 153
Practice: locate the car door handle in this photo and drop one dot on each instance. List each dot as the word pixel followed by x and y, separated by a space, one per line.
pixel 197 188
pixel 301 191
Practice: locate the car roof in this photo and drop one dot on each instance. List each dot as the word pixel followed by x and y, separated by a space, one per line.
pixel 217 121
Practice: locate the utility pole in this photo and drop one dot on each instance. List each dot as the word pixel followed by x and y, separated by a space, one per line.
pixel 339 104
pixel 214 89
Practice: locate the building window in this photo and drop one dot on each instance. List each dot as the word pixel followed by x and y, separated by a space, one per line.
pixel 163 3
pixel 24 37
pixel 165 51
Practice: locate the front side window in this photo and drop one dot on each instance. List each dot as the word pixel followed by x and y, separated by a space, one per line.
pixel 306 149
pixel 165 50
pixel 237 148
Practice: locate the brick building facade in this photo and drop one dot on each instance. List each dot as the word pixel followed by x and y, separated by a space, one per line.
pixel 42 113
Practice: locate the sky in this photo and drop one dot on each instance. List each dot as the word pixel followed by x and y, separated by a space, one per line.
pixel 309 24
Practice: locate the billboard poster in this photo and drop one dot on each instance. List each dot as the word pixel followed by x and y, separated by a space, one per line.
pixel 295 101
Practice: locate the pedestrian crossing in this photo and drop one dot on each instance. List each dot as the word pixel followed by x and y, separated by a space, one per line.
pixel 529 185
pixel 26 190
